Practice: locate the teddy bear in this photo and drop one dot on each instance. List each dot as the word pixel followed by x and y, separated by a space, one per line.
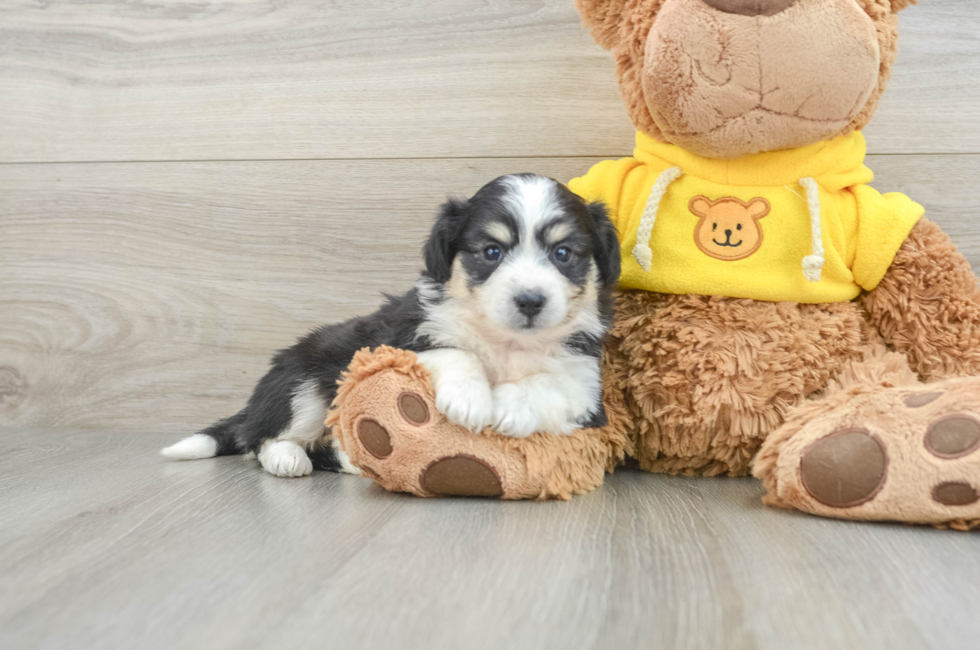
pixel 776 314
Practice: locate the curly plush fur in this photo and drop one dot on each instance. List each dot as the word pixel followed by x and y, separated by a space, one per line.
pixel 708 378
pixel 928 306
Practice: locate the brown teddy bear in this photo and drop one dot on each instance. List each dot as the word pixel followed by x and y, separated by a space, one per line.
pixel 773 305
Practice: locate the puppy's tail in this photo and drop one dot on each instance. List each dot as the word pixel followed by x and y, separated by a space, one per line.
pixel 219 439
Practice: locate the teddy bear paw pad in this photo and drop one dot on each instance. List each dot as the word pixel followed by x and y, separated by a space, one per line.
pixel 461 475
pixel 413 408
pixel 955 493
pixel 953 436
pixel 844 469
pixel 374 438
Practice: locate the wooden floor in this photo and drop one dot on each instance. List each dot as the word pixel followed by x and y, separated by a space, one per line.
pixel 103 544
pixel 187 186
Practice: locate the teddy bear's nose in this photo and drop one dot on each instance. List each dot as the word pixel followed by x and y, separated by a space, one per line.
pixel 750 7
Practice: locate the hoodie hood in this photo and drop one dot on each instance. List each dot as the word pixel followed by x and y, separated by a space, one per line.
pixel 834 164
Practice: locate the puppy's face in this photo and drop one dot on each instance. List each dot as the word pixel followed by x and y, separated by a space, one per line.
pixel 525 252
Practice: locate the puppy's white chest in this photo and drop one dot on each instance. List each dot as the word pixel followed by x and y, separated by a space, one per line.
pixel 508 365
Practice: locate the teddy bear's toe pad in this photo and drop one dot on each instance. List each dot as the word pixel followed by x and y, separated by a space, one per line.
pixel 918 400
pixel 461 475
pixel 374 438
pixel 845 468
pixel 953 436
pixel 413 408
pixel 955 493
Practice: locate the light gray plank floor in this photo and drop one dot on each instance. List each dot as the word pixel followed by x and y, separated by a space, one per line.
pixel 104 544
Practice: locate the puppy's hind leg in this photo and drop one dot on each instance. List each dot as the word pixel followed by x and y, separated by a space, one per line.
pixel 285 455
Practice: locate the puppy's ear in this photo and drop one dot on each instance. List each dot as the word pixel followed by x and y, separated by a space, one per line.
pixel 441 248
pixel 605 245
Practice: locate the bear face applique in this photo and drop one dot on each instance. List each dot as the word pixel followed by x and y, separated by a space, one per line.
pixel 728 228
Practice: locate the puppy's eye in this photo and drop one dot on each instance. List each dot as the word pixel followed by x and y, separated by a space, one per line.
pixel 492 253
pixel 563 254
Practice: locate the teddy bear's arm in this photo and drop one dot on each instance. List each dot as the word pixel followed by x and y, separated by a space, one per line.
pixel 928 305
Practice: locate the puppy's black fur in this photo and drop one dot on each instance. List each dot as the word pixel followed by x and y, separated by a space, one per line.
pixel 324 353
pixel 321 355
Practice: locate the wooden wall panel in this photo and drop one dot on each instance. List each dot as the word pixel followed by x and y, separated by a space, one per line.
pixel 152 294
pixel 83 81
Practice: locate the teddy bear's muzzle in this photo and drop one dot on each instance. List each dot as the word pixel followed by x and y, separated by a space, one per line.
pixel 724 85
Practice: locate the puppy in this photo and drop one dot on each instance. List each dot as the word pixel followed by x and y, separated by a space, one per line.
pixel 508 317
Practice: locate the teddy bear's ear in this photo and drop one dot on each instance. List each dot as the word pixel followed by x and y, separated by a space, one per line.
pixel 758 208
pixel 603 18
pixel 699 206
pixel 898 5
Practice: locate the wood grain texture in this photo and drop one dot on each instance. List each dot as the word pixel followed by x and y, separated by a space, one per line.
pixel 153 295
pixel 161 290
pixel 253 79
pixel 112 546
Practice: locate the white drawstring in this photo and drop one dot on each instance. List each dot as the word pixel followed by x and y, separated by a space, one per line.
pixel 642 252
pixel 813 263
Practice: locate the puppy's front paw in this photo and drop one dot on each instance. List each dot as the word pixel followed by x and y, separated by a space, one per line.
pixel 467 403
pixel 521 409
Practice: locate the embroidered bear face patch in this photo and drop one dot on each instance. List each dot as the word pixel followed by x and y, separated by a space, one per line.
pixel 728 229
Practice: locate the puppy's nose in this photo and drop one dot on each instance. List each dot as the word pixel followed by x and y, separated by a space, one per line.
pixel 530 304
pixel 751 7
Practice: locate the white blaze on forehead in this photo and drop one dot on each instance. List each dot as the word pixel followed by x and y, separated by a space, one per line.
pixel 533 201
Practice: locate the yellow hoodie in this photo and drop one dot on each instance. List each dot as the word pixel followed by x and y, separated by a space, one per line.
pixel 799 225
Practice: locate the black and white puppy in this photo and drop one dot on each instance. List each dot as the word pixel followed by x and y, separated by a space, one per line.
pixel 508 317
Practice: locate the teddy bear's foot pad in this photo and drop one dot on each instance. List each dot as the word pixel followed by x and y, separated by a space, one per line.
pixel 461 476
pixel 904 454
pixel 844 469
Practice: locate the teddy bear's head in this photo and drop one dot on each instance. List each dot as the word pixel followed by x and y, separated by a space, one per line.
pixel 726 78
